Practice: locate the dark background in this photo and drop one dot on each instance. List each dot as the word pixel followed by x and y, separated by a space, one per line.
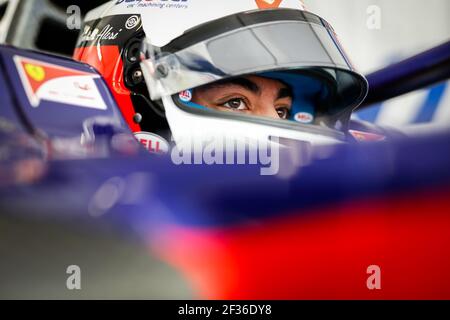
pixel 41 24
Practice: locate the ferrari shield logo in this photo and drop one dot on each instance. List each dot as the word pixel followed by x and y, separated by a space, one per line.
pixel 47 82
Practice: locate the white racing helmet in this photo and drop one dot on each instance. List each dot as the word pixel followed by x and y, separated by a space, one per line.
pixel 179 46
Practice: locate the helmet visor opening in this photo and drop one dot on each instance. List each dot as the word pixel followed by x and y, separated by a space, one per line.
pixel 301 99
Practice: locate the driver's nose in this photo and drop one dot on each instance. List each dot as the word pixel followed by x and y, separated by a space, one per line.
pixel 266 109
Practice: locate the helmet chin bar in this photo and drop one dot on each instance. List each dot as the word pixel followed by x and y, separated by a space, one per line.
pixel 187 126
pixel 155 106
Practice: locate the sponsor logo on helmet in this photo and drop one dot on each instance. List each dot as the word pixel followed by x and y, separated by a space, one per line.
pixel 265 4
pixel 161 4
pixel 125 144
pixel 132 22
pixel 304 117
pixel 186 96
pixel 270 4
pixel 114 30
pixel 152 142
pixel 95 34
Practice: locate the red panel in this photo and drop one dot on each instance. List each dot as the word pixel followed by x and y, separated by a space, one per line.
pixel 107 60
pixel 323 254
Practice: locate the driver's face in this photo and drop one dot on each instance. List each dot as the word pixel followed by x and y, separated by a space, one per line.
pixel 252 95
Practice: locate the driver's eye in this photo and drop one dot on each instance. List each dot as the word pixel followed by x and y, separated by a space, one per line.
pixel 236 104
pixel 283 113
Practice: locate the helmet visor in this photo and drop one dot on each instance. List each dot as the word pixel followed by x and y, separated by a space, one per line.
pixel 254 42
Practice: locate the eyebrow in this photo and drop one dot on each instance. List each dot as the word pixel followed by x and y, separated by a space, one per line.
pixel 241 82
pixel 245 83
pixel 285 93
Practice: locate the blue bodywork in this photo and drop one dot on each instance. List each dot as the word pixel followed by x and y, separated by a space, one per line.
pixel 149 190
pixel 47 174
